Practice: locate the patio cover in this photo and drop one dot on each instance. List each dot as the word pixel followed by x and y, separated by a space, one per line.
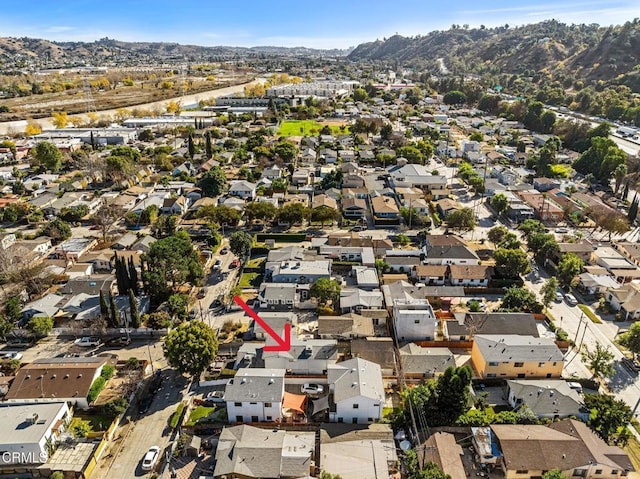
pixel 294 401
pixel 320 404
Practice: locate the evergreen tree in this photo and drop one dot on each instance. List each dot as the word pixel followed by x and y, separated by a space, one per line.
pixel 192 146
pixel 93 142
pixel 104 309
pixel 633 209
pixel 133 277
pixel 207 145
pixel 625 191
pixel 115 314
pixel 122 277
pixel 133 308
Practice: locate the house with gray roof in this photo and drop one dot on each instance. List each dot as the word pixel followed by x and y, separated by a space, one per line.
pixel 347 326
pixel 251 452
pixel 276 320
pixel 419 362
pixel 300 272
pixel 465 325
pixel 357 392
pixel 309 356
pixel 46 307
pixel 513 356
pixel 255 395
pixel 547 398
pixel 356 300
pixel 278 296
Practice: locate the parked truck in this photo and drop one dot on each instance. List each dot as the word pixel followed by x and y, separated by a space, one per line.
pixel 626 132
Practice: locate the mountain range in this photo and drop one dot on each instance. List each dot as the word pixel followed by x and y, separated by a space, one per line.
pixel 589 52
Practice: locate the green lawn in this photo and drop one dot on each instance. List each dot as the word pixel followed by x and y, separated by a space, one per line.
pixel 306 128
pixel 199 413
pixel 99 422
pixel 587 310
pixel 255 262
pixel 250 280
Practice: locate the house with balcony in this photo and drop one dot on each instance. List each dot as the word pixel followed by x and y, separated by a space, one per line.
pixel 354 300
pixel 513 356
pixel 242 189
pixel 354 208
pixel 255 395
pixel 431 274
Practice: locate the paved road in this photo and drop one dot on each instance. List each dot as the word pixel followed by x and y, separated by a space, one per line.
pixel 624 383
pixel 150 429
pixel 47 123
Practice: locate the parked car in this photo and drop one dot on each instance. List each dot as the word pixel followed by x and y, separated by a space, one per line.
pixel 562 230
pixel 570 299
pixel 234 264
pixel 575 386
pixel 216 265
pixel 224 251
pixel 558 297
pixel 120 341
pixel 145 404
pixel 631 364
pixel 150 458
pixel 11 355
pixel 358 228
pixel 20 342
pixel 214 397
pixel 88 341
pixel 202 292
pixel 312 388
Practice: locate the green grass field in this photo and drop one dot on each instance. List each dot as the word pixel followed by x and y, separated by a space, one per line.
pixel 307 128
pixel 250 280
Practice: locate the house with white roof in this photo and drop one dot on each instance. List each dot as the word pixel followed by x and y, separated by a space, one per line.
pixel 308 356
pixel 242 189
pixel 413 320
pixel 357 392
pixel 255 395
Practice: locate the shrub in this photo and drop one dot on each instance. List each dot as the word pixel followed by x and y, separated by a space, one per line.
pixel 116 406
pixel 173 423
pixel 107 372
pixel 132 363
pixel 96 389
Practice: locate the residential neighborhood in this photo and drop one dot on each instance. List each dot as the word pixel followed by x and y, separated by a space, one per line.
pixel 332 273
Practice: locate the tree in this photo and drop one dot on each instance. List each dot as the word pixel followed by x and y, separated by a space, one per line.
pixel 609 417
pixel 454 97
pixel 568 268
pixel 260 210
pixel 104 218
pixel 33 128
pixel 631 339
pixel 48 156
pixel 240 243
pixel 402 239
pixel 542 245
pixel 619 174
pixel 285 150
pixel 548 291
pixel 453 393
pixel 213 182
pixel 415 471
pixel 191 147
pixel 324 214
pixel 292 213
pixel 104 308
pixel 133 309
pixel 511 263
pixel 326 290
pixel 386 131
pixel 13 309
pixel 500 203
pixel 114 316
pixel 191 347
pixel 520 300
pixel 58 230
pixel 57 475
pixel 119 167
pixel 178 305
pixel 529 227
pixel 613 223
pixel 633 210
pixel 601 159
pixel 133 276
pixel 360 94
pixel 497 234
pixel 220 214
pixel 208 148
pixel 159 320
pixel 463 219
pixel 40 326
pixel 554 474
pixel 599 360
pixel 170 263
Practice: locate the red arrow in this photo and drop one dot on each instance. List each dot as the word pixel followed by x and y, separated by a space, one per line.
pixel 284 343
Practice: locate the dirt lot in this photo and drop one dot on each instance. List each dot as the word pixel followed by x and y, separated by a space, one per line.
pixel 75 101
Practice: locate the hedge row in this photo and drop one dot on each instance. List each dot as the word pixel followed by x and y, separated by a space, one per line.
pixel 281 237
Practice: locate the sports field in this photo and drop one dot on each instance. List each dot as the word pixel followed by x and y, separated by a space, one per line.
pixel 310 128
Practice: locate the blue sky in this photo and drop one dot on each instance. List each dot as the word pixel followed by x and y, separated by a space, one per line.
pixel 317 24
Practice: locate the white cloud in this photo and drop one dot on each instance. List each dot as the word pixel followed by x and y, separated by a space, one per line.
pixel 59 29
